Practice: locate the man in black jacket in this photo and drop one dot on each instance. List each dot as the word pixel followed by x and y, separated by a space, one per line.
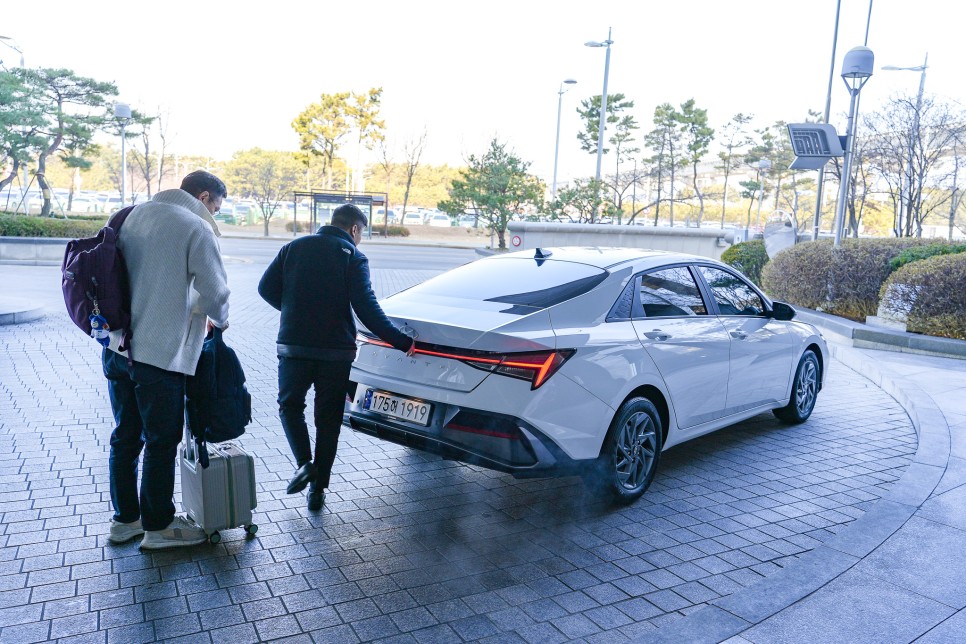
pixel 316 282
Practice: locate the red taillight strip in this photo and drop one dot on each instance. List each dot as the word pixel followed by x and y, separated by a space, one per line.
pixel 542 369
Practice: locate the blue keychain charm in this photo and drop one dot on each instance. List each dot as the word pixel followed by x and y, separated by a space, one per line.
pixel 100 329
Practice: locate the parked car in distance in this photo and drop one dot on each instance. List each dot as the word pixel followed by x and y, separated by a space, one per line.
pixel 412 219
pixel 466 221
pixel 112 204
pixel 247 212
pixel 440 220
pixel 378 216
pixel 85 204
pixel 583 360
pixel 226 214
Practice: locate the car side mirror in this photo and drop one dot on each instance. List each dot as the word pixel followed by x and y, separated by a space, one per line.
pixel 781 311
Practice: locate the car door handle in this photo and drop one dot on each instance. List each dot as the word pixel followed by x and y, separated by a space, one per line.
pixel 657 334
pixel 739 335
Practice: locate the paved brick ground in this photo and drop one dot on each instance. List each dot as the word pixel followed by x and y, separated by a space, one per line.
pixel 409 547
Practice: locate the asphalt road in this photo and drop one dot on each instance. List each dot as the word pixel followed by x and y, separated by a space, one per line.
pixel 381 255
pixel 41 284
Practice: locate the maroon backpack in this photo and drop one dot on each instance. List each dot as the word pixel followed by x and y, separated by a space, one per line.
pixel 95 283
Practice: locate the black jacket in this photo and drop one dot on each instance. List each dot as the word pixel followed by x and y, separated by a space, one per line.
pixel 316 282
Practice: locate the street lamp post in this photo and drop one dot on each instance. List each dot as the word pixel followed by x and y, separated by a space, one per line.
pixel 603 98
pixel 556 149
pixel 763 166
pixel 856 71
pixel 122 112
pixel 906 191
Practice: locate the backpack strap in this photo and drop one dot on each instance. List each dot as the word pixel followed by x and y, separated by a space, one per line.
pixel 117 219
pixel 114 223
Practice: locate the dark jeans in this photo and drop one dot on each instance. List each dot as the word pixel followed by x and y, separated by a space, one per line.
pixel 330 379
pixel 148 405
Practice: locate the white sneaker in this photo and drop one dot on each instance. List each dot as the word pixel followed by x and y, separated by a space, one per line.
pixel 121 532
pixel 180 532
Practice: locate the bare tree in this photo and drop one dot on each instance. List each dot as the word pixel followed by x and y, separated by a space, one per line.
pixel 386 164
pixel 412 152
pixel 734 137
pixel 912 140
pixel 164 122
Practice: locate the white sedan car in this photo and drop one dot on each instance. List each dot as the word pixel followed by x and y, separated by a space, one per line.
pixel 583 360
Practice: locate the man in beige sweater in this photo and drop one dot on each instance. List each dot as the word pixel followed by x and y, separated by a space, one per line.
pixel 178 289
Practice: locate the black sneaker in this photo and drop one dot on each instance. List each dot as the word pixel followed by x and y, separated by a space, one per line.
pixel 316 498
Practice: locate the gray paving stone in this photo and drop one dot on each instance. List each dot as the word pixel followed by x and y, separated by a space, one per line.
pixel 408 535
pixel 936 572
pixel 25 633
pixel 237 634
pixel 888 613
pixel 73 625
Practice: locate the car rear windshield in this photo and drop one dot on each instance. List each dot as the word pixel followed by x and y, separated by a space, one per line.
pixel 518 281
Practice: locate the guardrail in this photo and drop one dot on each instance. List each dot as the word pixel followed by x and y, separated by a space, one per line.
pixel 706 242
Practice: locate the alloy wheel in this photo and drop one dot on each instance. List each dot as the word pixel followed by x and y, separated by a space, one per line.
pixel 636 451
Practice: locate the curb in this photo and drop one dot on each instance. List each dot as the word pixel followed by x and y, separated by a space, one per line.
pixel 866 337
pixel 17 311
pixel 732 615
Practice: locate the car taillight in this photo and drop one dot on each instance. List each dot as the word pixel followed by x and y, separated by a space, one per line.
pixel 537 366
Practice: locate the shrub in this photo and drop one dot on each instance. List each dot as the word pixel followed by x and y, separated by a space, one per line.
pixel 304 226
pixel 398 231
pixel 859 268
pixel 930 292
pixel 923 252
pixel 748 257
pixel 798 274
pixel 844 281
pixel 24 226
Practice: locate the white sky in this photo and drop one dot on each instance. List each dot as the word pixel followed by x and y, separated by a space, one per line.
pixel 234 74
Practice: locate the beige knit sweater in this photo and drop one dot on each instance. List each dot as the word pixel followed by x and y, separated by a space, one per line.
pixel 178 280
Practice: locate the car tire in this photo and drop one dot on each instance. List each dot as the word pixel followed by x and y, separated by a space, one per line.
pixel 630 453
pixel 804 391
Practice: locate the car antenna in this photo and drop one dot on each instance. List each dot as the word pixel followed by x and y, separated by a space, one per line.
pixel 542 254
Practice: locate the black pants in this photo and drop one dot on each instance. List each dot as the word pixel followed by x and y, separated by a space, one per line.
pixel 148 405
pixel 330 379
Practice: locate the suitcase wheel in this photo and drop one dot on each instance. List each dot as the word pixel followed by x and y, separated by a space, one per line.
pixel 251 529
pixel 214 537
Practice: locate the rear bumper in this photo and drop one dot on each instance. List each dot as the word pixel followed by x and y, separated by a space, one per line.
pixel 502 443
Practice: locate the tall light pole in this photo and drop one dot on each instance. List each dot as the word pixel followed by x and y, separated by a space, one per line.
pixel 603 98
pixel 122 112
pixel 556 149
pixel 856 71
pixel 906 191
pixel 763 166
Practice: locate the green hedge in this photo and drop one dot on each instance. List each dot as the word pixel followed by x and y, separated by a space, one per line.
pixel 931 295
pixel 923 252
pixel 843 281
pixel 304 227
pixel 748 257
pixel 394 231
pixel 24 226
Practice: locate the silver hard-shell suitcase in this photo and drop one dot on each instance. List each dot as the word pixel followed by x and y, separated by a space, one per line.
pixel 222 495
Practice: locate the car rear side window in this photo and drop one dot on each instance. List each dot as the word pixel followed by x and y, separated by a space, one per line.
pixel 733 295
pixel 671 292
pixel 516 281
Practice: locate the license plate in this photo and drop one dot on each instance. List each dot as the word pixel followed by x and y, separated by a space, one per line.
pixel 388 404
